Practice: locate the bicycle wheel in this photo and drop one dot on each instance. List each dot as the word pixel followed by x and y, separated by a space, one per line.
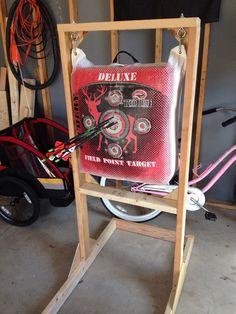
pixel 19 204
pixel 126 211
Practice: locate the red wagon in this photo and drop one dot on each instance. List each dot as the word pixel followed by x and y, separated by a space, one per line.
pixel 24 178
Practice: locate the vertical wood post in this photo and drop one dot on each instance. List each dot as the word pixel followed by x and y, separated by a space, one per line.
pixel 201 94
pixel 114 33
pixel 80 199
pixel 43 76
pixel 158 45
pixel 187 118
pixel 73 11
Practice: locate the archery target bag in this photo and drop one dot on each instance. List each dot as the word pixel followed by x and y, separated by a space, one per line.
pixel 142 99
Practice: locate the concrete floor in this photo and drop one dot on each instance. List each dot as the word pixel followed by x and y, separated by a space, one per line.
pixel 132 274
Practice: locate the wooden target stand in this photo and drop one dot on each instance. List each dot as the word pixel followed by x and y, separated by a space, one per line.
pixel 84 184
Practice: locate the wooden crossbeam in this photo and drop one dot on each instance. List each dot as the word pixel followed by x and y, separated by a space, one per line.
pixel 123 196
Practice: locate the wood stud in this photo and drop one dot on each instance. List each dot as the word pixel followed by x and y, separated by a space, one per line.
pixel 201 98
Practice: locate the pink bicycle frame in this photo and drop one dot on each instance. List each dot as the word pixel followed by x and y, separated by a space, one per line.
pixel 147 187
pixel 212 166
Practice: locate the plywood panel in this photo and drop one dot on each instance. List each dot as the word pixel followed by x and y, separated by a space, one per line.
pixel 27 100
pixel 14 97
pixel 4 114
pixel 3 78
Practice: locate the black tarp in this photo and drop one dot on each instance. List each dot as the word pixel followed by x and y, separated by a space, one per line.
pixel 207 10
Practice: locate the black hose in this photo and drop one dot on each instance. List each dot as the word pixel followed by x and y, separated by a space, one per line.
pixel 229 121
pixel 47 18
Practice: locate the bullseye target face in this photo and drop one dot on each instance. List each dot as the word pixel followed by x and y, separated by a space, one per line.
pixel 114 150
pixel 88 122
pixel 120 129
pixel 142 126
pixel 115 97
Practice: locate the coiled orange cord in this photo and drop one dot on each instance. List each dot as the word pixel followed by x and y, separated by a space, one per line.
pixel 26 29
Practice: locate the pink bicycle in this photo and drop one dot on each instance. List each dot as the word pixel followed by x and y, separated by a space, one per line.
pixel 195 198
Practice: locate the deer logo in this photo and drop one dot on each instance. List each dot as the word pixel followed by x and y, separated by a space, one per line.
pixel 93 101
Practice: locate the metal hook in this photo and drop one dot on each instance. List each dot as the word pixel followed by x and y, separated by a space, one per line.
pixel 181 33
pixel 77 38
pixel 74 39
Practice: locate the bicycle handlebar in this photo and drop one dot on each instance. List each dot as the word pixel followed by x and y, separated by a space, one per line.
pixel 209 111
pixel 213 110
pixel 229 121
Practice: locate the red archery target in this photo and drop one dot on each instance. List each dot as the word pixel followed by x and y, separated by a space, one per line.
pixel 120 129
pixel 88 121
pixel 141 146
pixel 114 150
pixel 142 126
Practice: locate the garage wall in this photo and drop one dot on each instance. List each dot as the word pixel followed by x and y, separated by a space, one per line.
pixel 221 75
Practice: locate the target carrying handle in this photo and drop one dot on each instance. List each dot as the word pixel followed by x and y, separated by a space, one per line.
pixel 126 52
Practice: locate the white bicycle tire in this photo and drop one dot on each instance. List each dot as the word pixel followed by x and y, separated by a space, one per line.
pixel 115 209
